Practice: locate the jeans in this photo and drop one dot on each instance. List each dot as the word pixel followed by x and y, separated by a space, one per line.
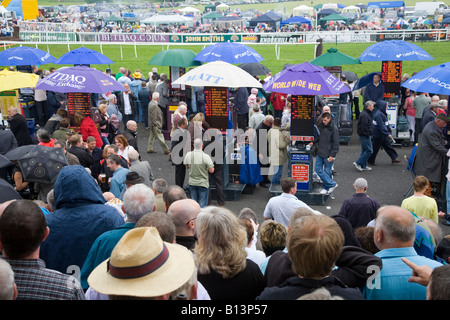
pixel 199 194
pixel 366 151
pixel 277 174
pixel 324 171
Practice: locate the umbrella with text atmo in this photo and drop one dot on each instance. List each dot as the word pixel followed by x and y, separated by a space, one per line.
pixel 434 80
pixel 305 79
pixel 230 52
pixel 83 56
pixel 25 56
pixel 79 79
pixel 394 50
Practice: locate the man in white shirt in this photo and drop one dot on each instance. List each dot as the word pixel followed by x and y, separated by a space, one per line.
pixel 281 207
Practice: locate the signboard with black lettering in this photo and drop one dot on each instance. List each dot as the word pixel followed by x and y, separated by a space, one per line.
pixel 302 117
pixel 216 107
pixel 391 76
pixel 78 102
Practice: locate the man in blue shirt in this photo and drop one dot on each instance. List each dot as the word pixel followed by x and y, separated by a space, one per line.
pixel 119 175
pixel 394 235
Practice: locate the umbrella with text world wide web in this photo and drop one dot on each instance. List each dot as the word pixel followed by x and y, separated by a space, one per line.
pixel 394 50
pixel 83 56
pixel 25 56
pixel 305 79
pixel 79 79
pixel 42 164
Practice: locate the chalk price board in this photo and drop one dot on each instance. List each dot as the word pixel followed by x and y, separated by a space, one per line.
pixel 302 117
pixel 78 102
pixel 391 76
pixel 216 107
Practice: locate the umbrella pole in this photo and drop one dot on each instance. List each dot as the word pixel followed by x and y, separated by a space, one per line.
pixel 121 55
pixel 135 50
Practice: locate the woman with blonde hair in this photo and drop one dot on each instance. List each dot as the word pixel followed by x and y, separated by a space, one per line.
pixel 104 122
pixel 221 259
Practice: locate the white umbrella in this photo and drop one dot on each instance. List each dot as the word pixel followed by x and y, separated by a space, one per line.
pixel 218 74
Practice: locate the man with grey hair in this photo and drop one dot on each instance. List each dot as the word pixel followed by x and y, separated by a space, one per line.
pixel 394 235
pixel 199 165
pixel 429 114
pixel 143 168
pixel 359 209
pixel 183 214
pixel 138 200
pixel 158 187
pixel 8 287
pixel 155 121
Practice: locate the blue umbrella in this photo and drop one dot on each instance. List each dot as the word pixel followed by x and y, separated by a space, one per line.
pixel 25 56
pixel 364 80
pixel 394 50
pixel 434 80
pixel 83 56
pixel 230 52
pixel 80 79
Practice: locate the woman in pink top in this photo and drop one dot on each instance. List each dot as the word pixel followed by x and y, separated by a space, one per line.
pixel 410 111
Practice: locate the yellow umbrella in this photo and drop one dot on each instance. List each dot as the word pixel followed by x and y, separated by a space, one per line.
pixel 11 80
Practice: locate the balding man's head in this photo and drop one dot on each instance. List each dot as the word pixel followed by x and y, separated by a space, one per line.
pixel 395 227
pixel 183 213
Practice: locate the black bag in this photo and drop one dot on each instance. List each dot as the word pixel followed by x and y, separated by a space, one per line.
pixel 346 128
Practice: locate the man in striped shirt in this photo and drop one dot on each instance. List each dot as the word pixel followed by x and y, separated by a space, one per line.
pixel 22 230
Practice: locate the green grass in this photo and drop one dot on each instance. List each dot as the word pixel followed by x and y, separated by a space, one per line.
pixel 293 54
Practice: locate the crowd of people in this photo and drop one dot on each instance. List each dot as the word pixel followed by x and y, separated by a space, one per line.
pixel 108 228
pixel 58 21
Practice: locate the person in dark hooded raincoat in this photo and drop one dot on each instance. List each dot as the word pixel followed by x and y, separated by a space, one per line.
pixel 80 216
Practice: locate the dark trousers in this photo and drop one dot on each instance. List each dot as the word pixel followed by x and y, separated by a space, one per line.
pixel 180 174
pixel 242 121
pixel 218 182
pixel 417 130
pixel 377 143
pixel 41 112
pixel 356 106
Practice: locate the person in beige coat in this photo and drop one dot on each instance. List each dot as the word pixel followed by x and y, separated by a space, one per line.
pixel 279 140
pixel 155 121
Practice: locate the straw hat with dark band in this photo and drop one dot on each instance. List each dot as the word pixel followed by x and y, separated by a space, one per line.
pixel 142 265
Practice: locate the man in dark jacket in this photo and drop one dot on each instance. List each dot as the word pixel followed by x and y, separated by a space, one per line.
pixel 77 149
pixel 432 150
pixel 382 137
pixel 364 130
pixel 328 147
pixel 126 101
pixel 241 107
pixel 130 134
pixel 18 126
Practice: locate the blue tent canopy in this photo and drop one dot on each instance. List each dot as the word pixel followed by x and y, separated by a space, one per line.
pixel 296 19
pixel 387 4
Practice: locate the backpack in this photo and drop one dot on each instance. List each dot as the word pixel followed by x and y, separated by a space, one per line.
pixel 402 124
